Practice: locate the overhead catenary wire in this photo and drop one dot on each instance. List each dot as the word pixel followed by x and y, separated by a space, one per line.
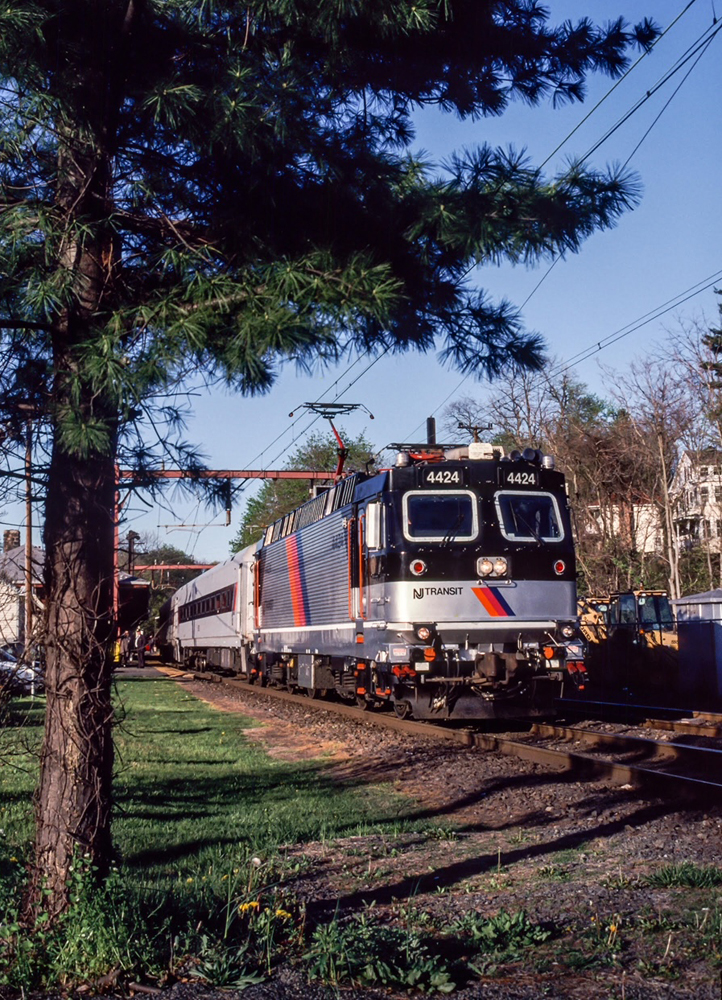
pixel 698 48
pixel 612 338
pixel 616 84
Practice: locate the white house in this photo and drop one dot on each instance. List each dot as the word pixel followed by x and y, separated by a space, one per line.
pixel 696 495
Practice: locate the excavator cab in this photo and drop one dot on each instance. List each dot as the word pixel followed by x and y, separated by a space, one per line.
pixel 632 642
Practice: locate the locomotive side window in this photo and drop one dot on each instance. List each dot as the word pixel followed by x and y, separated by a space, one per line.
pixel 435 517
pixel 374 526
pixel 529 517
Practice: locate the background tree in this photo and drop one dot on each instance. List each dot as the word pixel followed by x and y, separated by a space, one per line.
pixel 163 583
pixel 218 187
pixel 277 497
pixel 661 416
pixel 711 365
pixel 597 448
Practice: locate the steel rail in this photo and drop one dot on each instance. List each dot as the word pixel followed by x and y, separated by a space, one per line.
pixel 677 711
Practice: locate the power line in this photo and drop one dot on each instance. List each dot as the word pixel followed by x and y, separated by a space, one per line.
pixel 637 324
pixel 698 48
pixel 624 331
pixel 616 84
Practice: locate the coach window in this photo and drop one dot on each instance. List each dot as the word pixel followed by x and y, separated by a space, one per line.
pixel 448 516
pixel 529 517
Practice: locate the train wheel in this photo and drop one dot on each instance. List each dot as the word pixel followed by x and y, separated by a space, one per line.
pixel 402 710
pixel 317 693
pixel 362 703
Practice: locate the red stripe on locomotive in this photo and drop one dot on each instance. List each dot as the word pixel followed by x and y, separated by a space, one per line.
pixel 294 579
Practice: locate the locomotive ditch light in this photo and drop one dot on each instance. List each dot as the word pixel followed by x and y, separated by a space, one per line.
pixel 418 567
pixel 424 632
pixel 567 631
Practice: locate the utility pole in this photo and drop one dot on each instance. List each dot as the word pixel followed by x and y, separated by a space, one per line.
pixel 133 537
pixel 474 429
pixel 28 533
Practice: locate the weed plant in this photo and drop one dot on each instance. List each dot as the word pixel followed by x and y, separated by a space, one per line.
pixel 685 875
pixel 504 932
pixel 366 952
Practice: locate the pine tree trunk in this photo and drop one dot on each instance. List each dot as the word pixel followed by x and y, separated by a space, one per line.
pixel 74 796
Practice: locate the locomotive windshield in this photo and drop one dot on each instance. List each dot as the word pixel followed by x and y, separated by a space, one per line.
pixel 445 516
pixel 528 517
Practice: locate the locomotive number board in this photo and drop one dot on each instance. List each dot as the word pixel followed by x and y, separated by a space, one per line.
pixel 515 477
pixel 442 477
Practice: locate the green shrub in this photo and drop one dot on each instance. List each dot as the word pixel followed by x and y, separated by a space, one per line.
pixel 503 932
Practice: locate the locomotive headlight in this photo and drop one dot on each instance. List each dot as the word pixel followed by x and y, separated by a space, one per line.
pixel 418 567
pixel 492 566
pixel 484 566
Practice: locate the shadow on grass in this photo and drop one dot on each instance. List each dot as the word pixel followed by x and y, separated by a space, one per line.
pixel 184 789
pixel 272 805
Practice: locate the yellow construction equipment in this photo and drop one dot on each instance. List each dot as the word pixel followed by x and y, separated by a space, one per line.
pixel 632 641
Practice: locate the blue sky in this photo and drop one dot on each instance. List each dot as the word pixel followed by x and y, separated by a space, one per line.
pixel 668 245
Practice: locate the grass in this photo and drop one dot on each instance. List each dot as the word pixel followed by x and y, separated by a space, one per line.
pixel 193 790
pixel 20 738
pixel 201 817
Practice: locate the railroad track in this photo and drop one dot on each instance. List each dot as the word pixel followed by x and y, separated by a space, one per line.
pixel 654 767
pixel 675 720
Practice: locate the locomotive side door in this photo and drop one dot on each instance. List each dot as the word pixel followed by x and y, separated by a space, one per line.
pixel 354 546
pixel 365 539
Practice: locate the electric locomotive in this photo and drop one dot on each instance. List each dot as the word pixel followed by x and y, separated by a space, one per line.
pixel 443 586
